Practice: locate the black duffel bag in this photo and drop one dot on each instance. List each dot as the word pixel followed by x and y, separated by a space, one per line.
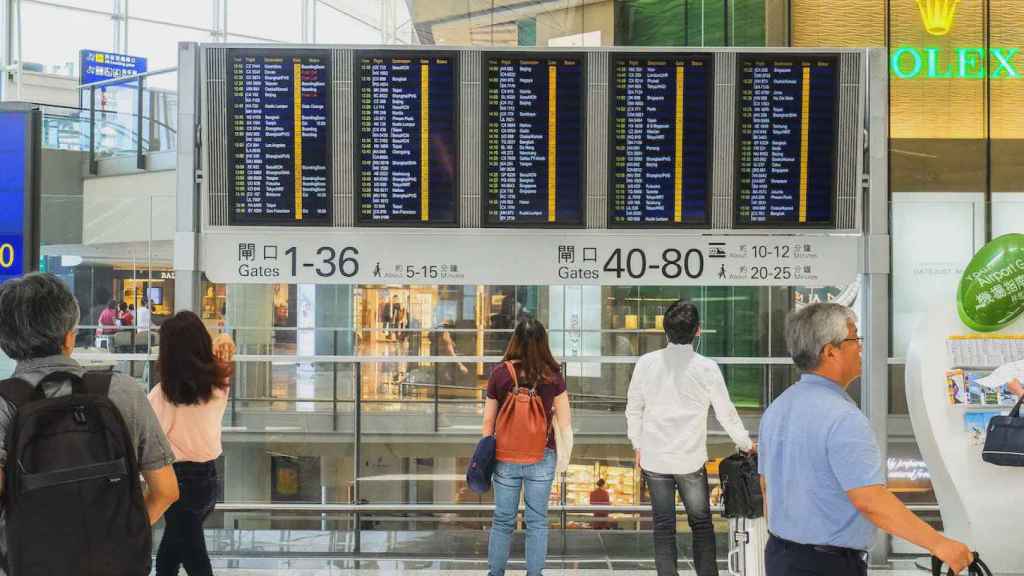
pixel 1004 441
pixel 977 568
pixel 741 487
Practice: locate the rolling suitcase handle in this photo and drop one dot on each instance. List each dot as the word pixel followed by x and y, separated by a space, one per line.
pixel 977 568
pixel 734 563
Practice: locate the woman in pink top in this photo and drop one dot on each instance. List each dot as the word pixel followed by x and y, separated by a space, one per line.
pixel 190 402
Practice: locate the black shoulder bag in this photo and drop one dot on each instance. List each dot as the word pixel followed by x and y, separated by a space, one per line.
pixel 1004 441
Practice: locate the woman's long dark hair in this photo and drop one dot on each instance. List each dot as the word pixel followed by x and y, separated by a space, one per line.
pixel 188 369
pixel 529 345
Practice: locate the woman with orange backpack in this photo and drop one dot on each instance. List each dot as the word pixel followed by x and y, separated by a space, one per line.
pixel 526 395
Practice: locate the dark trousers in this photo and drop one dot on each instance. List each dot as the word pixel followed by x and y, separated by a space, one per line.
pixel 783 558
pixel 693 489
pixel 183 543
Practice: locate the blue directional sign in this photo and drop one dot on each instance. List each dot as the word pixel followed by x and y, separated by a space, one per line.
pixel 98 66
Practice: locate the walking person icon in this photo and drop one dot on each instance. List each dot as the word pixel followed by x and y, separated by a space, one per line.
pixel 376 270
pixel 721 272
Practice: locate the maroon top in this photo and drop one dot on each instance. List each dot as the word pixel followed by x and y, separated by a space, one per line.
pixel 500 384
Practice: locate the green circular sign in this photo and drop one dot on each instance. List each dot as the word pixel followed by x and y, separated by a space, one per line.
pixel 991 292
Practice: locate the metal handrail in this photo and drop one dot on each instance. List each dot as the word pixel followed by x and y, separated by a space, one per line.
pixel 440 508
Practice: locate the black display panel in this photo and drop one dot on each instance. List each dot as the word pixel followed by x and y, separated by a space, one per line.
pixel 660 145
pixel 534 111
pixel 279 137
pixel 407 145
pixel 786 140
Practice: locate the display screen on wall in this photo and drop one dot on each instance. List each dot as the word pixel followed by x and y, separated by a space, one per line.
pixel 661 140
pixel 279 137
pixel 534 111
pixel 786 140
pixel 407 146
pixel 19 156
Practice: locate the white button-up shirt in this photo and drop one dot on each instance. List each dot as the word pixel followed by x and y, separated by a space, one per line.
pixel 667 410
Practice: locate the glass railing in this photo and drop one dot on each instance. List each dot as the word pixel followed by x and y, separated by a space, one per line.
pixel 342 442
pixel 123 117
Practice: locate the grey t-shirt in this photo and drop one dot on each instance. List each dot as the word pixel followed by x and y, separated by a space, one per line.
pixel 152 448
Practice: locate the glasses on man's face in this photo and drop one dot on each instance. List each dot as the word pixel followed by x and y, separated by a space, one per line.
pixel 858 340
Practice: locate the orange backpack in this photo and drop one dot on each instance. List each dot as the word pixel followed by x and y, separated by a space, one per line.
pixel 522 427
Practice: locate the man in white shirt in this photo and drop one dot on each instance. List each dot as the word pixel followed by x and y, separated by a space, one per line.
pixel 667 422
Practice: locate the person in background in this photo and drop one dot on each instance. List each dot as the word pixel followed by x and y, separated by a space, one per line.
pixel 190 401
pixel 145 318
pixel 442 344
pixel 600 497
pixel 667 406
pixel 38 323
pixel 536 369
pixel 821 469
pixel 125 316
pixel 108 320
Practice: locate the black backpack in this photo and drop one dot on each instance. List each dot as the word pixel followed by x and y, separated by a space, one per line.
pixel 72 494
pixel 741 487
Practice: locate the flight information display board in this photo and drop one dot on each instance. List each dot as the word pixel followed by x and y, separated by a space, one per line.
pixel 786 140
pixel 534 110
pixel 407 147
pixel 19 190
pixel 279 137
pixel 661 106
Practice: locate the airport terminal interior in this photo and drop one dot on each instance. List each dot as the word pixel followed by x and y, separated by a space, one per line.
pixel 368 195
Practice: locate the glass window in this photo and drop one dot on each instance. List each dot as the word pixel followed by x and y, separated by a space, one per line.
pixel 280 20
pixel 198 13
pixel 98 5
pixel 53 36
pixel 336 26
pixel 159 42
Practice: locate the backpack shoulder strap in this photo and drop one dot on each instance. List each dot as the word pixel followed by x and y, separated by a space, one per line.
pixel 18 392
pixel 97 382
pixel 515 376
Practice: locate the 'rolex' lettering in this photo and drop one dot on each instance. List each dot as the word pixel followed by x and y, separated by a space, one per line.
pixel 967 63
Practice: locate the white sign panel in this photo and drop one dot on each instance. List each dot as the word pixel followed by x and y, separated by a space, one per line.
pixel 361 256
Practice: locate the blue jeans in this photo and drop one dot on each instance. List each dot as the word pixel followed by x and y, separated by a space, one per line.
pixel 693 489
pixel 534 481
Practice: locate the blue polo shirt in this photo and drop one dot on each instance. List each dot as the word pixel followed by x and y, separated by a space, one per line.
pixel 814 446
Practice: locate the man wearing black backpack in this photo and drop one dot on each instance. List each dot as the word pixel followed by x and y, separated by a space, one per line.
pixel 72 446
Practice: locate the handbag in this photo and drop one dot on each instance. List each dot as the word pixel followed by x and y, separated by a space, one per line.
pixel 563 446
pixel 977 567
pixel 1004 441
pixel 481 465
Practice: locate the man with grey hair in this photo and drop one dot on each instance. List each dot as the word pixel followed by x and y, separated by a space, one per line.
pixel 821 469
pixel 38 324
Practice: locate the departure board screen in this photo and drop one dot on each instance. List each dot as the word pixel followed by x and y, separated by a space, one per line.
pixel 786 136
pixel 661 140
pixel 408 140
pixel 535 105
pixel 279 137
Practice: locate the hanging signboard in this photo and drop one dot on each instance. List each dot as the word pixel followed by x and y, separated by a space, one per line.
pixel 495 257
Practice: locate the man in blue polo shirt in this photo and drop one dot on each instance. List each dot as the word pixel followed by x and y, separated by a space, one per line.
pixel 821 467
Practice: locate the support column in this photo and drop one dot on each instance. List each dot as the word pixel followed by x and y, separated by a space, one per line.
pixel 187 227
pixel 877 270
